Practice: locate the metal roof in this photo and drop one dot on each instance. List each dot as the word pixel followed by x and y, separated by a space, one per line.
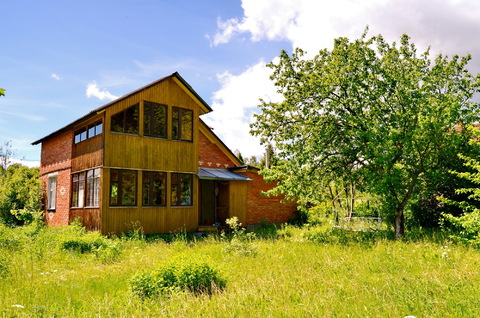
pixel 220 174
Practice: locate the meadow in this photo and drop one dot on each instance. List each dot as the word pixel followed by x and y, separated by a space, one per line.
pixel 290 272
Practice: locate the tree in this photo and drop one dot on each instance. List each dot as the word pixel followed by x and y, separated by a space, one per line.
pixel 2 92
pixel 368 112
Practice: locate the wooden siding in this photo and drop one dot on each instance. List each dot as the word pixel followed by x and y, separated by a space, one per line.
pixel 238 199
pixel 90 218
pixel 88 154
pixel 150 219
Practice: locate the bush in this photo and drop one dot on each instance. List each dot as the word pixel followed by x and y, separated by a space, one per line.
pixel 85 244
pixel 183 273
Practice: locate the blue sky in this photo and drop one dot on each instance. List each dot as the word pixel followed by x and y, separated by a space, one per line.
pixel 61 59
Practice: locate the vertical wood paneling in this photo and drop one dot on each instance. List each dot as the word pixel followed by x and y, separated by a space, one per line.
pixel 238 199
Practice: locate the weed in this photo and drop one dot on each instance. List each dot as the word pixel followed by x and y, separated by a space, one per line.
pixel 181 273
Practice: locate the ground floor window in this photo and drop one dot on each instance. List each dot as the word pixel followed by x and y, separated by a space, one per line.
pixel 52 193
pixel 90 197
pixel 93 188
pixel 78 182
pixel 181 189
pixel 123 185
pixel 154 188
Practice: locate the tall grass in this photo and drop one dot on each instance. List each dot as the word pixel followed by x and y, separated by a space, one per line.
pixel 294 272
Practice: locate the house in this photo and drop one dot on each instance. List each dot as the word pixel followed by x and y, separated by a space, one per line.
pixel 147 159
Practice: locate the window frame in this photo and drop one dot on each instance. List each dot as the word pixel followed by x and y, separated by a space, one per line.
pixel 92 188
pixel 148 188
pixel 78 190
pixel 121 187
pixel 84 133
pixel 176 182
pixel 52 183
pixel 125 120
pixel 149 122
pixel 178 124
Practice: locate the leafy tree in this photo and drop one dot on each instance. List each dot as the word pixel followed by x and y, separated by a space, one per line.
pixel 376 114
pixel 2 92
pixel 19 190
pixel 467 223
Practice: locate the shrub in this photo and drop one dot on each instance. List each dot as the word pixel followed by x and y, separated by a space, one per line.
pixel 182 273
pixel 85 244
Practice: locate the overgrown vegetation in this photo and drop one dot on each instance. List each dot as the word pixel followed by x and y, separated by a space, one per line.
pixel 296 271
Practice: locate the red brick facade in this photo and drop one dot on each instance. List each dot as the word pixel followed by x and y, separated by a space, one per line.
pixel 261 208
pixel 56 163
pixel 211 156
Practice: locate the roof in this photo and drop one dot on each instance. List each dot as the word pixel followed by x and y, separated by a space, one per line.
pixel 208 132
pixel 220 174
pixel 94 112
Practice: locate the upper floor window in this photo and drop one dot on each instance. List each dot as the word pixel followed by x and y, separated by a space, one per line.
pixel 155 120
pixel 182 189
pixel 123 185
pixel 126 121
pixel 88 132
pixel 182 124
pixel 154 188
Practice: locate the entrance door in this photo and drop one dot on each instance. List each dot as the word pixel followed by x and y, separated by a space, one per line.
pixel 214 202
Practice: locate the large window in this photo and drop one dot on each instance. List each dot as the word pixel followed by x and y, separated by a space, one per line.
pixel 182 189
pixel 155 120
pixel 78 184
pixel 88 132
pixel 126 121
pixel 90 197
pixel 123 184
pixel 154 188
pixel 52 193
pixel 182 124
pixel 93 188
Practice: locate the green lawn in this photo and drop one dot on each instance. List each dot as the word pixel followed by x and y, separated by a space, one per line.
pixel 290 274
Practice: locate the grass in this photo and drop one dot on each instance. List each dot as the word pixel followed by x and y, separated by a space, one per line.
pixel 295 272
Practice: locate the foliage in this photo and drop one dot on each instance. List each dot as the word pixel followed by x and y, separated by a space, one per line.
pixel 20 192
pixel 467 225
pixel 2 92
pixel 181 273
pixel 240 240
pixel 374 114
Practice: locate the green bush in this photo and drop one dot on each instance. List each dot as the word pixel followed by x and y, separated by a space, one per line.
pixel 183 273
pixel 85 244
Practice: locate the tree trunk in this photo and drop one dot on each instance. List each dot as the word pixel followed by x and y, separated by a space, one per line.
pixel 399 224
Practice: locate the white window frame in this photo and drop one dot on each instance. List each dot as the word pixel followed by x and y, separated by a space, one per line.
pixel 52 192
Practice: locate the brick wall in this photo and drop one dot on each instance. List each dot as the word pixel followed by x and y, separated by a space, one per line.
pixel 210 155
pixel 56 161
pixel 265 208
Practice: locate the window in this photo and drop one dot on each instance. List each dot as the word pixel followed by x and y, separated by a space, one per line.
pixel 89 132
pixel 126 121
pixel 78 182
pixel 155 120
pixel 123 184
pixel 52 193
pixel 154 188
pixel 182 124
pixel 182 189
pixel 93 188
pixel 94 130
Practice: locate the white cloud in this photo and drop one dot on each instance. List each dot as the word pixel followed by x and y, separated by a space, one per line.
pixel 55 76
pixel 447 25
pixel 234 104
pixel 94 91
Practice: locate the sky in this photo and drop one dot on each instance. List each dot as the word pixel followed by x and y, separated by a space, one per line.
pixel 61 59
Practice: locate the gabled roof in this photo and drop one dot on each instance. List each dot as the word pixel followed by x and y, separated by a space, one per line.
pixel 175 76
